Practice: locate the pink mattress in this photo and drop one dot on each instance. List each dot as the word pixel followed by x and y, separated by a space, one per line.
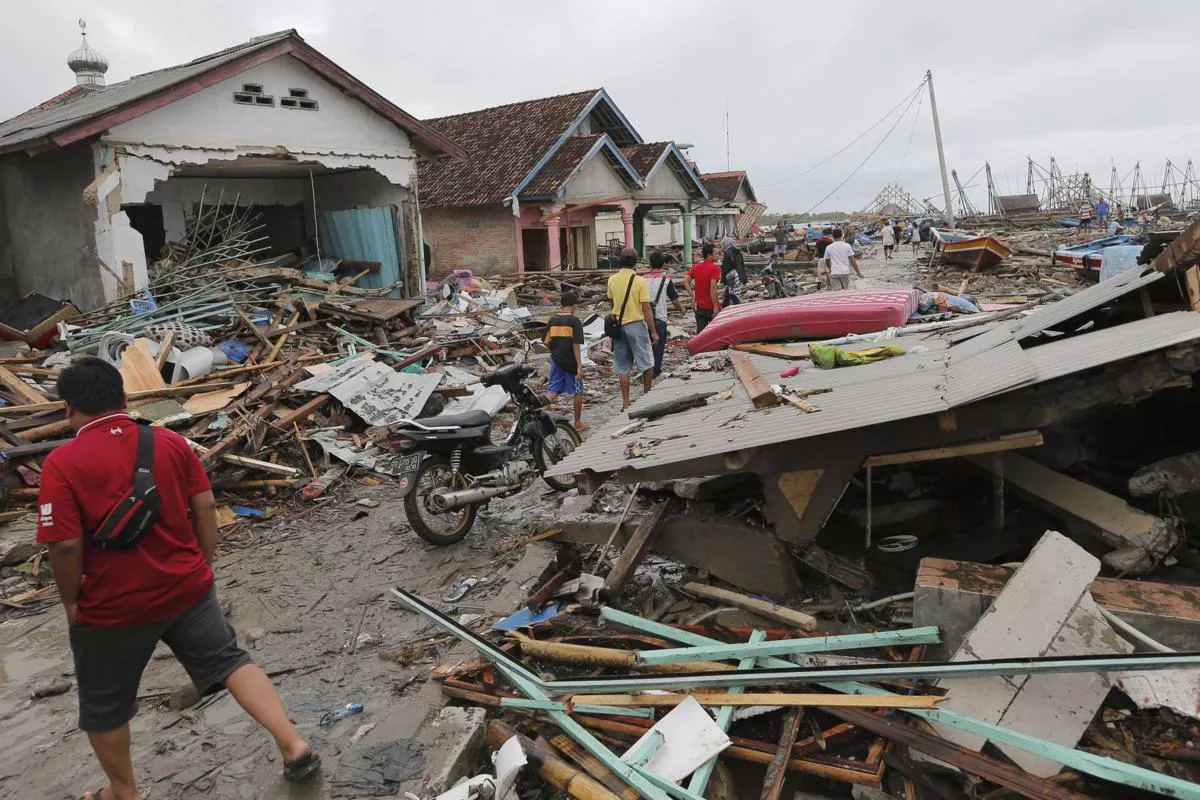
pixel 823 315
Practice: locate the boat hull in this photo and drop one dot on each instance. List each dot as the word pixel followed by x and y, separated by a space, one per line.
pixel 823 315
pixel 972 252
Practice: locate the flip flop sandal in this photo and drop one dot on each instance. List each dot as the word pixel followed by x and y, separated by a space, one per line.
pixel 301 769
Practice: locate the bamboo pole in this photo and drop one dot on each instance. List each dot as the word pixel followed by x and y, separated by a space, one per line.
pixel 606 657
pixel 550 767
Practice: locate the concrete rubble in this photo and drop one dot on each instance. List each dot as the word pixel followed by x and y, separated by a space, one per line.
pixel 842 582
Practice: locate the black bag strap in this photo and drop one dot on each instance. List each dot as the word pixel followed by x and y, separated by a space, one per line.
pixel 625 302
pixel 143 468
pixel 662 287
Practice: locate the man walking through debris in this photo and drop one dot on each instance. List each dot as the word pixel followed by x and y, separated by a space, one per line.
pixel 703 282
pixel 840 258
pixel 1102 213
pixel 630 297
pixel 822 265
pixel 128 579
pixel 887 235
pixel 662 290
pixel 781 239
pixel 564 336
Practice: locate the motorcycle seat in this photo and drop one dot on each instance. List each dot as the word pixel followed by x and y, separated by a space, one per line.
pixel 469 419
pixel 500 375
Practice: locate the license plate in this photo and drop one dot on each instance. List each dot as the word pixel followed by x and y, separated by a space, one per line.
pixel 405 468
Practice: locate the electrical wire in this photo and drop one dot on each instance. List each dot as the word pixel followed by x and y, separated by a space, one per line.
pixel 863 163
pixel 907 99
pixel 913 130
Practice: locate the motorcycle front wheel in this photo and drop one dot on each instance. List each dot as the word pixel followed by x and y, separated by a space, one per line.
pixel 436 528
pixel 553 449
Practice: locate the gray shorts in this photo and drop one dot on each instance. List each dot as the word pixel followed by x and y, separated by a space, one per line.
pixel 109 661
pixel 780 250
pixel 840 281
pixel 633 349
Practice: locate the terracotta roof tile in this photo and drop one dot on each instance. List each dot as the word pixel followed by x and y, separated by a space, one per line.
pixel 502 143
pixel 551 177
pixel 723 185
pixel 644 156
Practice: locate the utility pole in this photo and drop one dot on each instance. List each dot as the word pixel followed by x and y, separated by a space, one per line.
pixel 728 161
pixel 937 134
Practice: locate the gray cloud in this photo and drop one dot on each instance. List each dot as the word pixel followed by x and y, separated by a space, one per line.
pixel 1091 84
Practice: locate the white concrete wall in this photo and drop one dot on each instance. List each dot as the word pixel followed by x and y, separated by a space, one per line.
pixel 597 180
pixel 664 186
pixel 210 117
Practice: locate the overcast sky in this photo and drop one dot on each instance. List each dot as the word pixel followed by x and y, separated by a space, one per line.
pixel 1090 83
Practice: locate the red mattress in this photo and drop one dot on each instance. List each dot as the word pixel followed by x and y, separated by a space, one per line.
pixel 823 315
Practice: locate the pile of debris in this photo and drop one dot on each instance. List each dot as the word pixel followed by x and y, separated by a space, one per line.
pixel 672 704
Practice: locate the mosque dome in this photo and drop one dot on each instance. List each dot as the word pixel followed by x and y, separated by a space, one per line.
pixel 89 65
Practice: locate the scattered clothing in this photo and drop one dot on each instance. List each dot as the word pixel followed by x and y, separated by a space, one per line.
pixel 828 356
pixel 943 303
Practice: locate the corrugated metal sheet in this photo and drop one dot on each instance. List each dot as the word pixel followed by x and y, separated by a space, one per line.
pixel 1001 369
pixel 362 234
pixel 1048 316
pixel 1079 353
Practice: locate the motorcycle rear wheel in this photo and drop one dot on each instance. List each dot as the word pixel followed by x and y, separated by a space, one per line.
pixel 555 448
pixel 433 474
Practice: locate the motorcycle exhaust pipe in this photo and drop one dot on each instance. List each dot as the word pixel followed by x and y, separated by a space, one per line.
pixel 442 500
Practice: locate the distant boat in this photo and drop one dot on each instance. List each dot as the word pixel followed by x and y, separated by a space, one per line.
pixel 1083 256
pixel 967 250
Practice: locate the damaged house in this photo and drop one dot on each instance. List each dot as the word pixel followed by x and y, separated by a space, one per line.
pixel 94 182
pixel 536 179
pixel 732 207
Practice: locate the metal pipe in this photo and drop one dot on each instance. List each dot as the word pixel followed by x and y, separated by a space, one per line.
pixel 449 501
pixel 783 647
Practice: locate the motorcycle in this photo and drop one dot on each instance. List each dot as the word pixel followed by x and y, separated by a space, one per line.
pixel 448 466
pixel 772 282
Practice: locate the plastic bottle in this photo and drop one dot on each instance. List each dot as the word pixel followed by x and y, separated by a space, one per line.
pixel 348 710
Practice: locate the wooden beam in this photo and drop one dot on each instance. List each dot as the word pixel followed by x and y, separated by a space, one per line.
pixel 763 699
pixel 777 769
pixel 1013 441
pixel 788 351
pixel 24 392
pixel 303 412
pixel 1191 278
pixel 764 608
pixel 265 466
pixel 169 391
pixel 164 350
pixel 635 549
pixel 759 390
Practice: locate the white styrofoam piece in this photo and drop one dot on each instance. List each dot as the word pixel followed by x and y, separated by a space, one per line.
pixel 690 739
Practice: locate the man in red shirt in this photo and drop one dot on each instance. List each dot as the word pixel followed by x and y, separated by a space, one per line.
pixel 121 602
pixel 703 281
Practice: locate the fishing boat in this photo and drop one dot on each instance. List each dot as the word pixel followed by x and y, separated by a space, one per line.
pixel 967 250
pixel 824 315
pixel 1077 255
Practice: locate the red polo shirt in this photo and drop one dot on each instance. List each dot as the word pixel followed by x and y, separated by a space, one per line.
pixel 703 275
pixel 165 574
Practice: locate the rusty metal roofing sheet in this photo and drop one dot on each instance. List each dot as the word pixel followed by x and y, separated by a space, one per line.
pixel 1079 353
pixel 1051 315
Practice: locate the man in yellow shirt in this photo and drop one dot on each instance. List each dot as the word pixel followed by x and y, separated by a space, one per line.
pixel 630 297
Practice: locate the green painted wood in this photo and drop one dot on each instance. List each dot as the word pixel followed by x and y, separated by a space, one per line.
pixel 782 647
pixel 699 782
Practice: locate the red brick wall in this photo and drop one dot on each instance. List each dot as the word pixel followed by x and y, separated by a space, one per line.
pixel 479 238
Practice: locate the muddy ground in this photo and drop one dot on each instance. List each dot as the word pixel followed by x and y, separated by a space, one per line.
pixel 300 589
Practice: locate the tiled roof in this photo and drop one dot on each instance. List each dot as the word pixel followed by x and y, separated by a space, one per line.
pixel 502 145
pixel 644 156
pixel 74 109
pixel 723 185
pixel 551 177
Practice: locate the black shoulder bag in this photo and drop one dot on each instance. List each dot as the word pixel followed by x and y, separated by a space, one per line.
pixel 613 328
pixel 135 514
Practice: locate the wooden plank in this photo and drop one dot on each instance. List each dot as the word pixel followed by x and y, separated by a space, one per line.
pixel 763 699
pixel 803 405
pixel 24 392
pixel 788 351
pixel 254 329
pixel 777 769
pixel 1012 441
pixel 758 389
pixel 164 350
pixel 265 466
pixel 763 608
pixel 139 370
pixel 166 391
pixel 214 401
pixel 31 449
pixel 1191 278
pixel 636 549
pixel 303 412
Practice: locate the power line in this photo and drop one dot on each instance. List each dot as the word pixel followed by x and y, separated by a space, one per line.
pixel 862 163
pixel 913 130
pixel 854 141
